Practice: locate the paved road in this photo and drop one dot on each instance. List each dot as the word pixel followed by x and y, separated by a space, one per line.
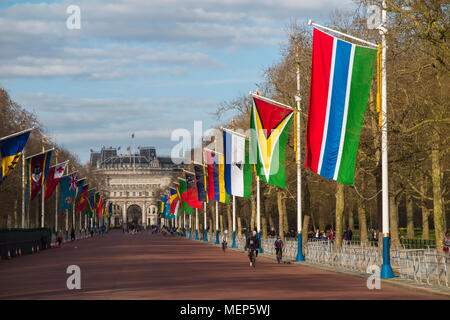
pixel 146 266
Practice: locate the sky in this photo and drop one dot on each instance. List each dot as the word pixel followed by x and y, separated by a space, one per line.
pixel 140 66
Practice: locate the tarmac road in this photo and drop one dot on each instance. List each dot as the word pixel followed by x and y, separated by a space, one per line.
pixel 146 266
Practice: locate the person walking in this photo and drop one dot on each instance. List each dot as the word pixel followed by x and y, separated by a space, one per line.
pixel 447 243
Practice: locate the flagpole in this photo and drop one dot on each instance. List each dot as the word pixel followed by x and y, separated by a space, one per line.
pixel 23 190
pixel 300 256
pixel 234 222
pixel 184 224
pixel 386 269
pixel 42 191
pixel 217 222
pixel 56 198
pixel 190 225
pixel 205 229
pixel 258 213
pixel 196 224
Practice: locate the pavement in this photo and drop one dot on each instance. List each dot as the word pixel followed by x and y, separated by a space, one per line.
pixel 152 266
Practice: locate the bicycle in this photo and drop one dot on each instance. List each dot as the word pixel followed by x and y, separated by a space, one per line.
pixel 252 258
pixel 279 256
pixel 224 245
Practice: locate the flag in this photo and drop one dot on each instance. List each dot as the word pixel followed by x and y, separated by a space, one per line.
pixel 55 174
pixel 37 171
pixel 180 206
pixel 341 77
pixel 110 209
pixel 11 150
pixel 269 126
pixel 192 191
pixel 83 199
pixel 238 171
pixel 200 178
pixel 216 177
pixel 184 196
pixel 90 202
pixel 164 200
pixel 67 191
pixel 160 208
pixel 167 209
pixel 99 204
pixel 79 188
pixel 174 201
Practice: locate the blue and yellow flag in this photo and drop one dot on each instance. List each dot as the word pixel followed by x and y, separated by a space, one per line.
pixel 10 150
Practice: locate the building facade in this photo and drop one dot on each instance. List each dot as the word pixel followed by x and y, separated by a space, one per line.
pixel 132 181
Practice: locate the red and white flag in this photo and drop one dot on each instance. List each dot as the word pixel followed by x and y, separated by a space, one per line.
pixel 55 174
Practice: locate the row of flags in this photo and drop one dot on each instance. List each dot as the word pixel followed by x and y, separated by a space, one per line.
pixel 41 178
pixel 341 78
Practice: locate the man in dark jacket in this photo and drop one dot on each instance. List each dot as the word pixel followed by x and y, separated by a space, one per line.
pixel 252 246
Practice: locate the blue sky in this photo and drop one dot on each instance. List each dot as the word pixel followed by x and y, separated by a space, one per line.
pixel 143 66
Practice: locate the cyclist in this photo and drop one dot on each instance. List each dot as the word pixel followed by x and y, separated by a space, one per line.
pixel 224 240
pixel 279 245
pixel 252 246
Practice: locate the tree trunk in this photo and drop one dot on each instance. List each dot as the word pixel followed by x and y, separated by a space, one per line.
pixel 393 222
pixel 221 223
pixel 229 218
pixel 425 212
pixel 409 218
pixel 351 221
pixel 16 223
pixel 264 227
pixel 281 201
pixel 438 213
pixel 271 223
pixel 362 222
pixel 339 213
pixel 239 226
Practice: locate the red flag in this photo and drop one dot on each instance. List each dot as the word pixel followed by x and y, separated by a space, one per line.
pixel 83 199
pixel 54 175
pixel 99 207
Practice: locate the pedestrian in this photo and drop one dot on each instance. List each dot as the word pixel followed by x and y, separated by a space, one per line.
pixel 331 235
pixel 447 243
pixel 59 238
pixel 72 235
pixel 317 234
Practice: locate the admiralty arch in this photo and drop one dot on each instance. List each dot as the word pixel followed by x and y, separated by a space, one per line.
pixel 132 181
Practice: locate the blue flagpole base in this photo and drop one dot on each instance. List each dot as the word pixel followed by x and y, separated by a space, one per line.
pixel 217 236
pixel 234 240
pixel 205 237
pixel 300 257
pixel 184 232
pixel 386 269
pixel 190 234
pixel 196 234
pixel 259 242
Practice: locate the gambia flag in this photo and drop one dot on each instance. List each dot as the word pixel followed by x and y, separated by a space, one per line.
pixel 90 202
pixel 238 171
pixel 269 126
pixel 341 77
pixel 184 196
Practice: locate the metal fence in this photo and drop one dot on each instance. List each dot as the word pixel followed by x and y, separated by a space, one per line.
pixel 423 266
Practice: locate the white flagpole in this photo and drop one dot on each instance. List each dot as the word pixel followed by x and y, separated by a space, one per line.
pixel 42 192
pixel 217 222
pixel 196 224
pixel 190 226
pixel 386 269
pixel 258 212
pixel 234 222
pixel 205 229
pixel 300 256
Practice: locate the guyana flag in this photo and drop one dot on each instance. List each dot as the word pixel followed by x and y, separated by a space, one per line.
pixel 269 126
pixel 184 196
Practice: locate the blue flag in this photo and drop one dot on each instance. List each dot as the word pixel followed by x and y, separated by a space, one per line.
pixel 10 151
pixel 67 188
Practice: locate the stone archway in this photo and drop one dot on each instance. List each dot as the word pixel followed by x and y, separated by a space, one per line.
pixel 134 215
